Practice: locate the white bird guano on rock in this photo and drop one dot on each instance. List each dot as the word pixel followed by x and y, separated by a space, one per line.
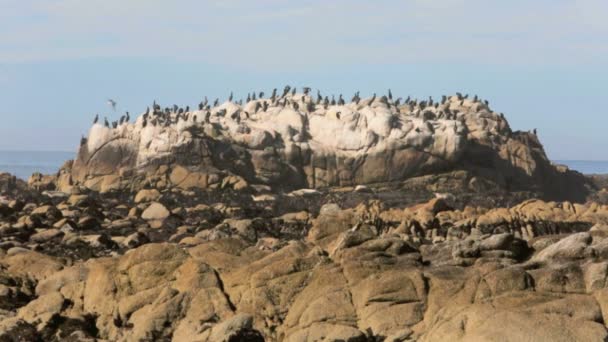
pixel 299 140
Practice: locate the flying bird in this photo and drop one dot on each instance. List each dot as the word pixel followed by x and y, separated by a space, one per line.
pixel 112 103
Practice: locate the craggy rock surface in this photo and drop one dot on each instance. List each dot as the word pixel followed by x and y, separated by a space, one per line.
pixel 340 265
pixel 299 141
pixel 295 219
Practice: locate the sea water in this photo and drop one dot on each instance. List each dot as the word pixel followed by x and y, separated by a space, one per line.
pixel 23 163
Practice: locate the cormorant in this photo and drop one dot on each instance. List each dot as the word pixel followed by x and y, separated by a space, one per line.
pixel 127 118
pixel 106 123
pixel 274 94
pixel 253 96
pixel 200 106
pixel 114 124
pixel 390 95
pixel 83 140
pixel 261 95
pixel 207 116
pixel 265 105
pixel 187 109
pixel 286 90
pixel 216 102
pixel 293 91
pixel 248 97
pixel 257 107
pixel 306 90
pixel 230 97
pixel 340 100
pixel 96 119
pixel 319 97
pixel 333 100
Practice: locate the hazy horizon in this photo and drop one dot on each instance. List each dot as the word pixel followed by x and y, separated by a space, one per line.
pixel 542 64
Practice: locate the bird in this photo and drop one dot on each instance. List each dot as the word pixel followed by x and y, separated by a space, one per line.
pixel 306 90
pixel 340 100
pixel 286 90
pixel 265 106
pixel 112 103
pixel 261 95
pixel 390 95
pixel 106 123
pixel 230 97
pixel 534 131
pixel 83 140
pixel 248 97
pixel 216 102
pixel 127 117
pixel 207 116
pixel 96 119
pixel 253 96
pixel 293 91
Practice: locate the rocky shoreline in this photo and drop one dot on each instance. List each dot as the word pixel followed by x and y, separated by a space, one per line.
pixel 244 226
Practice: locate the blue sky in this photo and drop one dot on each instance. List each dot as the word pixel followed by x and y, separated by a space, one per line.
pixel 543 63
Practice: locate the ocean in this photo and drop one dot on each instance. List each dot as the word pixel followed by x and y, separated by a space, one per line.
pixel 23 163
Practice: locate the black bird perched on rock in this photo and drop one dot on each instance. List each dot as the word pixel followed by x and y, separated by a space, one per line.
pixel 96 119
pixel 261 95
pixel 83 140
pixel 216 102
pixel 200 106
pixel 205 102
pixel 373 99
pixel 459 95
pixel 390 95
pixel 408 100
pixel 144 123
pixel 230 97
pixel 127 117
pixel 265 106
pixel 384 100
pixel 274 94
pixel 257 107
pixel 443 99
pixel 248 97
pixel 398 102
pixel 306 90
pixel 340 100
pixel 475 98
pixel 175 108
pixel 333 100
pixel 147 110
pixel 319 97
pixel 187 109
pixel 293 91
pixel 114 124
pixel 207 116
pixel 122 119
pixel 486 102
pixel 534 131
pixel 105 122
pixel 253 96
pixel 286 90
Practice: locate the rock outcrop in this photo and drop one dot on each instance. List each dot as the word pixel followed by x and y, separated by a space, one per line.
pixel 153 266
pixel 294 142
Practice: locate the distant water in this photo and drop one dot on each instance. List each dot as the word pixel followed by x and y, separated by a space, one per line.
pixel 23 163
pixel 587 167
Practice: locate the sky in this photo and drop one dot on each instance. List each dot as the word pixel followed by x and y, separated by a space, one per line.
pixel 542 63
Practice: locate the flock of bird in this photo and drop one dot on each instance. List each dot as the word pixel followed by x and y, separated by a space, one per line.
pixel 158 116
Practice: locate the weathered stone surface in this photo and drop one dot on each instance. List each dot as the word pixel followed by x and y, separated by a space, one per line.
pixel 313 145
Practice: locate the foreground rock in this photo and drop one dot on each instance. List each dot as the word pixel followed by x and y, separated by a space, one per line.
pixel 162 265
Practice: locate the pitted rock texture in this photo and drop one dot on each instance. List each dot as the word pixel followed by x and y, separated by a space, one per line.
pixel 295 141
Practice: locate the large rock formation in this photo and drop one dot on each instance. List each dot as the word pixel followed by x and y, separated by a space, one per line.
pixel 296 142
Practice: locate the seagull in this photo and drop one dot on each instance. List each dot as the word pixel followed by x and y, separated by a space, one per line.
pixel 112 103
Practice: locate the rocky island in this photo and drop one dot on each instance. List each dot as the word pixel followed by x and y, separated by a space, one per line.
pixel 304 217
